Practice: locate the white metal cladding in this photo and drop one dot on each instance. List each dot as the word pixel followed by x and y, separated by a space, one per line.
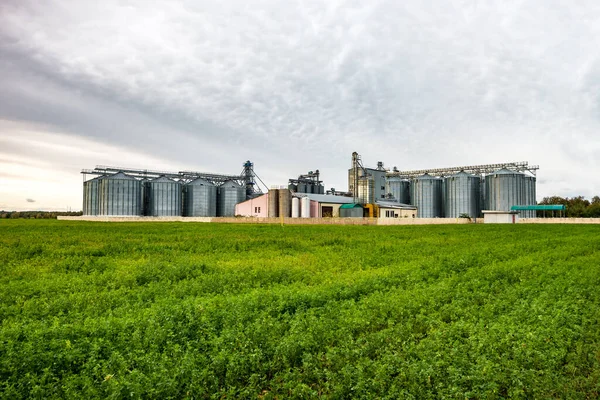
pixel 463 195
pixel 91 204
pixel 121 195
pixel 228 195
pixel 504 189
pixel 426 195
pixel 200 199
pixel 529 196
pixel 164 197
pixel 295 207
pixel 305 207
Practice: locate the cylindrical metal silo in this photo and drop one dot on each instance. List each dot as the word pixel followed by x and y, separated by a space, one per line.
pixel 321 189
pixel 200 199
pixel 394 187
pixel 426 195
pixel 295 207
pixel 274 203
pixel 529 195
pixel 301 187
pixel 120 195
pixel 305 207
pixel 462 195
pixel 164 197
pixel 91 203
pixel 285 203
pixel 229 194
pixel 504 189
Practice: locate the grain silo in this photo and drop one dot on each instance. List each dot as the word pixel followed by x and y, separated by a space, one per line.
pixel 504 189
pixel 229 194
pixel 285 199
pixel 529 195
pixel 163 197
pixel 295 207
pixel 426 195
pixel 399 188
pixel 273 203
pixel 120 195
pixel 462 195
pixel 305 207
pixel 91 203
pixel 200 199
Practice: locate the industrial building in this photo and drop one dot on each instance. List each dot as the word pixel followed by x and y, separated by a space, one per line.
pixel 116 191
pixel 464 191
pixel 281 202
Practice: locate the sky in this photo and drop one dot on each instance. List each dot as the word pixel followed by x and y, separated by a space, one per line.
pixel 295 86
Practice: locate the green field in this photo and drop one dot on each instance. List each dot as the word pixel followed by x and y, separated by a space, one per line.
pixel 183 310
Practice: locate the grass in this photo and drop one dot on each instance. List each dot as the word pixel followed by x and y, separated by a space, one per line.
pixel 173 310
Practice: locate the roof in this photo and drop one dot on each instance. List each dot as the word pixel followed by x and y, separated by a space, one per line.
pixel 164 179
pixel 121 175
pixel 200 181
pixel 553 207
pixel 326 198
pixel 504 171
pixel 345 206
pixel 395 204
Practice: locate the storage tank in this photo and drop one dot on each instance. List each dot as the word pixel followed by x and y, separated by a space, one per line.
pixel 274 203
pixel 90 196
pixel 462 195
pixel 301 187
pixel 305 207
pixel 285 206
pixel 321 189
pixel 295 207
pixel 120 195
pixel 529 195
pixel 504 189
pixel 229 194
pixel 164 197
pixel 200 198
pixel 399 188
pixel 426 195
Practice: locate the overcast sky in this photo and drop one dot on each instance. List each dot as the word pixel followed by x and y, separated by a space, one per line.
pixel 295 86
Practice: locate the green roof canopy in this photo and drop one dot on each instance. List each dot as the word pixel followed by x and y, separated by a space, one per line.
pixel 541 207
pixel 350 206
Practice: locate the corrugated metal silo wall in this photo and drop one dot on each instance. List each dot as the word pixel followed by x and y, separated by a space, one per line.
pixel 529 195
pixel 443 196
pixel 504 191
pixel 164 199
pixel 200 200
pixel 426 195
pixel 90 197
pixel 228 195
pixel 399 188
pixel 394 187
pixel 463 196
pixel 285 207
pixel 120 197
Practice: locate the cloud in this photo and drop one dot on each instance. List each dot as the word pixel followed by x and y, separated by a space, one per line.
pixel 30 200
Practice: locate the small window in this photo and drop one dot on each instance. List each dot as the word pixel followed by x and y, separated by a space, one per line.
pixel 258 209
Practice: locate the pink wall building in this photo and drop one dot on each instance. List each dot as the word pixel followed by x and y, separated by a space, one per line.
pixel 257 207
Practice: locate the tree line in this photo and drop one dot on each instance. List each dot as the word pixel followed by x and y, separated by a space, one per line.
pixel 37 214
pixel 576 207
